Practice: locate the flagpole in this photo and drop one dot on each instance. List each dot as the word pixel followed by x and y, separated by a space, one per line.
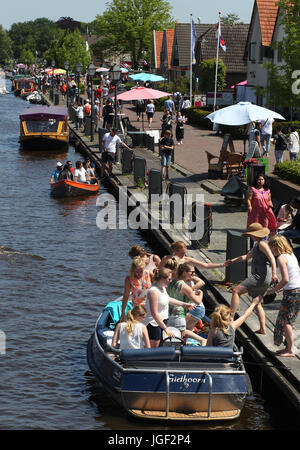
pixel 191 61
pixel 217 62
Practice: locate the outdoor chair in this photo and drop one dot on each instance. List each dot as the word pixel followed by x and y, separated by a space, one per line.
pixel 216 164
pixel 234 164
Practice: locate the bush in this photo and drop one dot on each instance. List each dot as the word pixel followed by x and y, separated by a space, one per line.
pixel 285 126
pixel 198 116
pixel 288 170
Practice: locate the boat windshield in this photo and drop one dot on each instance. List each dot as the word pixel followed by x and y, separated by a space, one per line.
pixel 42 126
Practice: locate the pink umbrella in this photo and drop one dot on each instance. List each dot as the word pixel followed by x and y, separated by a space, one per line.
pixel 242 83
pixel 142 93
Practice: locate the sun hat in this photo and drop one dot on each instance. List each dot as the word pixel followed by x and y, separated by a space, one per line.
pixel 59 164
pixel 256 230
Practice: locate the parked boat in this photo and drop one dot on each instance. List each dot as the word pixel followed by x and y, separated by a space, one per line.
pixel 68 188
pixel 182 382
pixel 23 86
pixel 44 127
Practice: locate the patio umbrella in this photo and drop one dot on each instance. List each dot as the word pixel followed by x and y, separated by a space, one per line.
pixel 102 69
pixel 142 93
pixel 143 76
pixel 55 71
pixel 241 114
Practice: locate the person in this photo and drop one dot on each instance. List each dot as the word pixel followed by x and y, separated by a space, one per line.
pixel 260 204
pixel 150 112
pixel 157 306
pixel 63 89
pixel 108 115
pixel 79 115
pixel 285 215
pixel 169 105
pixel 96 115
pixel 80 174
pixel 255 149
pixel 139 108
pixel 70 166
pixel 109 142
pixel 263 272
pixel 293 230
pixel 280 142
pixel 173 262
pixel 185 105
pixel 152 261
pixel 166 123
pixel 56 172
pixel 166 146
pixel 136 285
pixel 223 327
pixel 266 134
pixel 293 143
pixel 90 171
pixel 179 249
pixel 180 290
pixel 179 131
pixel 87 109
pixel 290 283
pixel 132 333
pixel 66 173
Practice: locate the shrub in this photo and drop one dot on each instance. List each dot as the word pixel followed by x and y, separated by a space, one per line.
pixel 198 117
pixel 285 126
pixel 288 170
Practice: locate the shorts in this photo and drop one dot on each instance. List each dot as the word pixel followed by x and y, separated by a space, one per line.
pixel 166 159
pixel 177 322
pixel 107 157
pixel 198 312
pixel 150 114
pixel 155 332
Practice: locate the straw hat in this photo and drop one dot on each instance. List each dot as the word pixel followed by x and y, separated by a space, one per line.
pixel 256 230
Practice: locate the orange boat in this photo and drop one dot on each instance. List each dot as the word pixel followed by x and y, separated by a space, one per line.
pixel 69 188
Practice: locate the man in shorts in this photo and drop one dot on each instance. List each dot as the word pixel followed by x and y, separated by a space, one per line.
pixel 166 147
pixel 109 142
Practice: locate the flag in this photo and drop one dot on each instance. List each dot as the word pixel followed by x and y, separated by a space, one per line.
pixel 194 36
pixel 222 43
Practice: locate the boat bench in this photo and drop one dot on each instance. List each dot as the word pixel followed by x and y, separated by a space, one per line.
pixel 149 354
pixel 190 353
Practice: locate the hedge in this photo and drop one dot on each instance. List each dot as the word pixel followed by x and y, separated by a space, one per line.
pixel 288 170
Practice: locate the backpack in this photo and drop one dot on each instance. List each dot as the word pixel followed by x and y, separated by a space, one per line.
pixel 281 141
pixel 87 110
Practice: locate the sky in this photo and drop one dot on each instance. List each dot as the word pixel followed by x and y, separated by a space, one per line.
pixel 86 10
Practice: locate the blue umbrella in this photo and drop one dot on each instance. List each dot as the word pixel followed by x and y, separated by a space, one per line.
pixel 242 113
pixel 143 76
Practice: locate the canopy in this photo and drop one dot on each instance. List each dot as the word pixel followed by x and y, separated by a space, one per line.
pixel 143 76
pixel 142 93
pixel 242 113
pixel 55 71
pixel 44 113
pixel 241 83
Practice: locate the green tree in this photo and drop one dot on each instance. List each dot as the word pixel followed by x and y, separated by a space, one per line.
pixel 207 76
pixel 69 46
pixel 282 90
pixel 33 35
pixel 126 26
pixel 230 19
pixel 5 47
pixel 27 56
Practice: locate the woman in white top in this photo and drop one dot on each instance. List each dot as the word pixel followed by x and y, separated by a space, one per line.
pixel 293 143
pixel 290 282
pixel 150 112
pixel 132 333
pixel 157 306
pixel 285 215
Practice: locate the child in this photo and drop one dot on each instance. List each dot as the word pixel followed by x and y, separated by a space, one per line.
pixel 223 327
pixel 290 282
pixel 132 333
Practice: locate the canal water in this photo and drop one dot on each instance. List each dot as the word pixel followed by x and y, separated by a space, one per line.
pixel 57 272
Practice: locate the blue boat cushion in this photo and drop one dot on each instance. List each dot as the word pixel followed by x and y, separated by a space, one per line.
pixel 149 354
pixel 191 353
pixel 115 310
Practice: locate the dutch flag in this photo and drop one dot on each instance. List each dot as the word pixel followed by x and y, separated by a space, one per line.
pixel 222 43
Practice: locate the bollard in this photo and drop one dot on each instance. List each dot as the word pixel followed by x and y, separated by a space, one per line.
pixel 176 214
pixel 88 126
pixel 207 226
pixel 236 246
pixel 127 156
pixel 155 183
pixel 139 169
pixel 56 99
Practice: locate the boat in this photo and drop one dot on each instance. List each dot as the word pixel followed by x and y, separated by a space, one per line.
pixel 174 382
pixel 44 127
pixel 35 98
pixel 23 86
pixel 69 188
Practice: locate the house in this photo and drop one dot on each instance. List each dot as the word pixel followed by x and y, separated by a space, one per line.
pixel 263 31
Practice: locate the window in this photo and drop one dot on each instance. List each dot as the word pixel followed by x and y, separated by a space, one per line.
pixel 252 51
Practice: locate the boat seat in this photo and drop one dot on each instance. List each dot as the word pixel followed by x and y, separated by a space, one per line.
pixel 149 354
pixel 191 353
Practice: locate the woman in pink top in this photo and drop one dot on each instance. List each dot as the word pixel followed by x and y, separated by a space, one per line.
pixel 260 204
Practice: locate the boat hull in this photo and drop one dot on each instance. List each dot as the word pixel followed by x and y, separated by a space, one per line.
pixel 171 390
pixel 68 188
pixel 43 143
